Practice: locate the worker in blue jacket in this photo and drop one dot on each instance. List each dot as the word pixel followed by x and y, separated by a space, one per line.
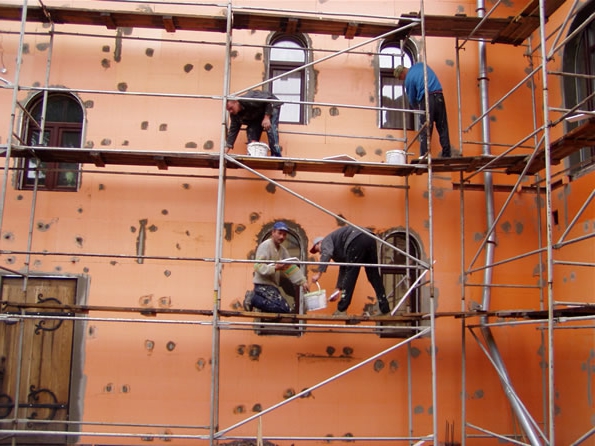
pixel 413 78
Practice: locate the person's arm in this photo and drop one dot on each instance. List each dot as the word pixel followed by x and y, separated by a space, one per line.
pixel 266 267
pixel 411 90
pixel 234 128
pixel 266 122
pixel 326 253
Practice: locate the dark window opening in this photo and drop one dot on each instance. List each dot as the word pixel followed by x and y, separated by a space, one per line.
pixel 398 279
pixel 62 128
pixel 579 58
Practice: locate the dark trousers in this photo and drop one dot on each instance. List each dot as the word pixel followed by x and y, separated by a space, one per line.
pixel 267 298
pixel 254 132
pixel 438 118
pixel 361 250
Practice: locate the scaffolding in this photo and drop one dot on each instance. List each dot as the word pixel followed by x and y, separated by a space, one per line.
pixel 534 167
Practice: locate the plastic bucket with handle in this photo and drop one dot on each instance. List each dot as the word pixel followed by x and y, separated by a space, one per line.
pixel 258 149
pixel 396 157
pixel 315 300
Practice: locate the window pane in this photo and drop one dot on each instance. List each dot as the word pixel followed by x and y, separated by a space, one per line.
pixel 67 175
pixel 60 108
pixel 287 51
pixel 288 88
pixel 70 139
pixel 32 171
pixel 391 56
pixel 392 92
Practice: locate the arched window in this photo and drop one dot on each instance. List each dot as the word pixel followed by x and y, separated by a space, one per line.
pixel 287 53
pixel 392 91
pixel 62 128
pixel 579 57
pixel 398 279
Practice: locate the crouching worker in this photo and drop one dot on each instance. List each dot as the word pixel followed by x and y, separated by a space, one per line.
pixel 268 295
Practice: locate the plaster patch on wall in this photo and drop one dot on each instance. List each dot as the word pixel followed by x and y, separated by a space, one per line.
pixel 167 273
pixel 149 52
pixel 144 125
pixel 518 227
pixel 506 226
pixel 200 364
pixel 418 410
pixel 191 145
pixel 208 145
pixel 122 86
pixel 357 191
pixel 254 352
pixel 8 237
pixel 208 67
pixel 188 68
pixel 333 111
pixel 105 48
pixel 149 345
pixel 360 151
pixel 240 228
pixel 288 393
pixel 478 237
pixel 105 63
pixel 257 408
pixel 42 46
pixel 393 366
pixel 42 226
pixel 378 365
pixel 170 346
pixel 271 188
pixel 10 260
pixel 415 352
pixel 254 217
pixel 227 226
pixel 239 409
pixel 316 112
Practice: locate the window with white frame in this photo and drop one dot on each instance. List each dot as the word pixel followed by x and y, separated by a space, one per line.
pixel 392 91
pixel 288 53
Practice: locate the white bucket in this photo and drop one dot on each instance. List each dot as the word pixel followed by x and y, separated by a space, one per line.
pixel 396 157
pixel 258 149
pixel 315 300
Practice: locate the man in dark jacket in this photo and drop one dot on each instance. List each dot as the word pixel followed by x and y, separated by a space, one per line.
pixel 258 112
pixel 350 245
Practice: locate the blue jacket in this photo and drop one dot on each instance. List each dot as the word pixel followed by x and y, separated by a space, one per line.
pixel 414 83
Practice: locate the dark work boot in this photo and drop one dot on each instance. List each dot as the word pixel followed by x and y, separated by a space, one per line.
pixel 248 300
pixel 384 306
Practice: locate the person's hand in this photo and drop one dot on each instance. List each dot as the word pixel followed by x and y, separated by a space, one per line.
pixel 282 266
pixel 266 122
pixel 306 287
pixel 228 149
pixel 316 277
